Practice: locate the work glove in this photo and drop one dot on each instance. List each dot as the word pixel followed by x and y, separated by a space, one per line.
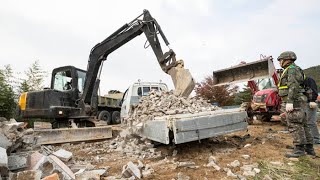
pixel 289 107
pixel 313 105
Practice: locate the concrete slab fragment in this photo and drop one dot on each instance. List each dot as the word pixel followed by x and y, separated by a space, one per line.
pixel 4 141
pixel 3 161
pixel 18 161
pixel 94 174
pixel 63 155
pixel 35 160
pixel 61 167
pixel 131 170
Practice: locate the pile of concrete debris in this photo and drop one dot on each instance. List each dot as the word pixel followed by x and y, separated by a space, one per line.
pixel 162 103
pixel 15 141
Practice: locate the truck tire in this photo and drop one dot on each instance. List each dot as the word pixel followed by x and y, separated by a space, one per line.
pixel 116 117
pixel 105 116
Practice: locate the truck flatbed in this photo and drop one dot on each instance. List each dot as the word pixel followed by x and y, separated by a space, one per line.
pixel 181 128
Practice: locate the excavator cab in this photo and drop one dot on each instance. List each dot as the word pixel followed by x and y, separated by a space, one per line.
pixel 68 78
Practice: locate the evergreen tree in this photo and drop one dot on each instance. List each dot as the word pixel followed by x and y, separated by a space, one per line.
pixel 244 95
pixel 7 95
pixel 34 78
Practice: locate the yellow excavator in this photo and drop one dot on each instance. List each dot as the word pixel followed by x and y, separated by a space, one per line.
pixel 72 100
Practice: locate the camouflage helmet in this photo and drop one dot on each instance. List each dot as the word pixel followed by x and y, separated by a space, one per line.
pixel 288 55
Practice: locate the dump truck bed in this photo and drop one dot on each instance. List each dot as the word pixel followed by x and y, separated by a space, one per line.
pixel 183 128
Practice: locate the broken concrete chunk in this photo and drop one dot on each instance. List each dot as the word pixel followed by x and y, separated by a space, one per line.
pixel 188 164
pixel 212 158
pixel 18 161
pixel 94 174
pixel 235 163
pixel 2 119
pixel 182 176
pixel 249 173
pixel 4 141
pixel 214 165
pixel 231 174
pixel 256 170
pixel 247 167
pixel 3 161
pixel 63 155
pixel 52 164
pixel 29 174
pixel 174 153
pixel 36 159
pixel 131 170
pixel 247 145
pixel 276 163
pixel 245 156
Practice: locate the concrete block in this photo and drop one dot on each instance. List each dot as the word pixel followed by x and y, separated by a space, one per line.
pixel 94 174
pixel 63 155
pixel 29 174
pixel 18 161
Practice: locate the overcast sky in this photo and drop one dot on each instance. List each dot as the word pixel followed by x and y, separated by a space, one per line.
pixel 207 34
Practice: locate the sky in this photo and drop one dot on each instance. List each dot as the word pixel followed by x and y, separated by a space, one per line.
pixel 207 34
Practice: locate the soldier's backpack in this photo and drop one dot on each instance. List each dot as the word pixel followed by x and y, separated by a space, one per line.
pixel 308 88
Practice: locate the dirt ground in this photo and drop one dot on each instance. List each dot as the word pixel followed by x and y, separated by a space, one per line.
pixel 268 144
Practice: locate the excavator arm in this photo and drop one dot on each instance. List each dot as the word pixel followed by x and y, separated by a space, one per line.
pixel 181 77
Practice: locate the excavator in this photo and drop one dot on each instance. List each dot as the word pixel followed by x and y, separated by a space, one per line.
pixel 72 99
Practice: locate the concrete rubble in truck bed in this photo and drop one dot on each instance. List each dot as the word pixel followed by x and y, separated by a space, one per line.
pixel 162 103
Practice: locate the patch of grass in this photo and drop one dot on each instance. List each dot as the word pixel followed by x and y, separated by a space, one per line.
pixel 306 168
pixel 274 172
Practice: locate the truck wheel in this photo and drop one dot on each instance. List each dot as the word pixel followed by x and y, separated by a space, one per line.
pixel 105 116
pixel 116 117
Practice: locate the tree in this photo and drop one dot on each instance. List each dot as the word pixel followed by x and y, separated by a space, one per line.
pixel 243 96
pixel 7 95
pixel 224 95
pixel 34 78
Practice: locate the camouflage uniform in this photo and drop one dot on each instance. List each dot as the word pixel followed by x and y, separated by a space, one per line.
pixel 291 91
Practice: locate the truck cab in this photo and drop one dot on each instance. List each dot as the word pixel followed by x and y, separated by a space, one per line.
pixel 135 92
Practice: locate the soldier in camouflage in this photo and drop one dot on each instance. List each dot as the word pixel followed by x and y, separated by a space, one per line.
pixel 291 91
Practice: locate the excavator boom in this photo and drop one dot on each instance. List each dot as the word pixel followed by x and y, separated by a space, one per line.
pixel 181 77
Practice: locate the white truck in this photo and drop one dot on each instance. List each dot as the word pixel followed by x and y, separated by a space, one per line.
pixel 181 128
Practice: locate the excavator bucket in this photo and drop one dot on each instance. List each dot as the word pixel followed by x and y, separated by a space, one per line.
pixel 245 72
pixel 182 80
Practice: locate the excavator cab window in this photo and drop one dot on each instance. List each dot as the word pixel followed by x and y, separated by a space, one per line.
pixel 63 80
pixel 81 80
